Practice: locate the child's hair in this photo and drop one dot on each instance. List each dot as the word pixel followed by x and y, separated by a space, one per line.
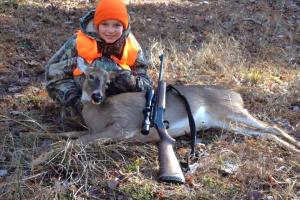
pixel 111 9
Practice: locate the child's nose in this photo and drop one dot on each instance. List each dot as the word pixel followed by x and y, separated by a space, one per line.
pixel 110 29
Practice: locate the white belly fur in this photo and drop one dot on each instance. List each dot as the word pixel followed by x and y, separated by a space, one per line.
pixel 202 120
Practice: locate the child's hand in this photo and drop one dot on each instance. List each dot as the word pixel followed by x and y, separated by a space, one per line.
pixel 72 97
pixel 124 81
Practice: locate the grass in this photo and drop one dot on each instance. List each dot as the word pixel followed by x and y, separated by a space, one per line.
pixel 138 190
pixel 228 48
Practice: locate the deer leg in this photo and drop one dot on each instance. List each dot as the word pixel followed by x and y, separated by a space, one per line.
pixel 282 142
pixel 249 132
pixel 285 135
pixel 72 134
pixel 114 132
pixel 249 120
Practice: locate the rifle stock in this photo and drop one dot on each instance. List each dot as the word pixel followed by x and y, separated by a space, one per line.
pixel 169 168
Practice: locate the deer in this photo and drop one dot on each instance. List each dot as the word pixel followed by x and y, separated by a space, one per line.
pixel 120 116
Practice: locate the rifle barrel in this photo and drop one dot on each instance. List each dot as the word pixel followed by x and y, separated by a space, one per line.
pixel 161 70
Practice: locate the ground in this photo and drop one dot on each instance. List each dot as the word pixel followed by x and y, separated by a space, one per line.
pixel 250 46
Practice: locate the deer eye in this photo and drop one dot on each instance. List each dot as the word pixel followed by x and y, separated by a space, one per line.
pixel 91 77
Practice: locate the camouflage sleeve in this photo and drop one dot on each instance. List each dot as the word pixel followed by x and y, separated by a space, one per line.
pixel 143 80
pixel 59 81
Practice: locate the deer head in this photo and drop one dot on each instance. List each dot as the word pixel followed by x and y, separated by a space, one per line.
pixel 95 83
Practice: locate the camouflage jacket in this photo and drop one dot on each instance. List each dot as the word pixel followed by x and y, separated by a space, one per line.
pixel 60 83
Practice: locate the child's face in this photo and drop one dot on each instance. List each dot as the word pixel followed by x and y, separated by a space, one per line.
pixel 110 30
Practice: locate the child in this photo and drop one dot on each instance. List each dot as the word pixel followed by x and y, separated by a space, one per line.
pixel 104 40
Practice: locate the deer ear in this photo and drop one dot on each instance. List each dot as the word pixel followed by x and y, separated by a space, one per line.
pixel 112 75
pixel 82 64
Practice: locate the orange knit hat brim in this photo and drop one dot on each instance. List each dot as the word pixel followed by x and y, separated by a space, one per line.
pixel 111 10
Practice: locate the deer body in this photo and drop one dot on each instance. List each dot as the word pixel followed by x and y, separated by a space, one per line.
pixel 120 116
pixel 123 112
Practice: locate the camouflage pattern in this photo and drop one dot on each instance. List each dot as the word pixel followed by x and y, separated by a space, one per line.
pixel 62 86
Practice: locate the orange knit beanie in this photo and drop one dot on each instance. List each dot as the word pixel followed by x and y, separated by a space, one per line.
pixel 111 9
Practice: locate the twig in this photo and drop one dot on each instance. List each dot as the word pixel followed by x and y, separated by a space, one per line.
pixel 290 188
pixel 233 23
pixel 34 176
pixel 250 20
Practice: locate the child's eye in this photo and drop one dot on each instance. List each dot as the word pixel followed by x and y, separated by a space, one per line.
pixel 117 25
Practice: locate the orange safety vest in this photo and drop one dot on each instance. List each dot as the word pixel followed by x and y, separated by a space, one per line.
pixel 87 49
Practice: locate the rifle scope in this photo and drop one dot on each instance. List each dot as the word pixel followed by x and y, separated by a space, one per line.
pixel 147 112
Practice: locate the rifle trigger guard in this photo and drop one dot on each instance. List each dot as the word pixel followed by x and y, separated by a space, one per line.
pixel 167 124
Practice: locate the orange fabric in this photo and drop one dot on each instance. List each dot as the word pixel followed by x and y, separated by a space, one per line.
pixel 87 49
pixel 111 9
pixel 130 53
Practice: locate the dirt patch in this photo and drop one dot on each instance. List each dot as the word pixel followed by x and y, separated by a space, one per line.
pixel 250 46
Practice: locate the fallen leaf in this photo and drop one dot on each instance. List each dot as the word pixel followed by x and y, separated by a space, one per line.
pixel 40 159
pixel 193 167
pixel 273 182
pixel 113 183
pixel 229 168
pixel 3 172
pixel 73 188
pixel 189 179
pixel 255 194
pixel 15 89
pixel 182 151
pixel 32 62
pixel 42 93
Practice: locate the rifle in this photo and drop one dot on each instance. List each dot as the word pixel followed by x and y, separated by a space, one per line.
pixel 169 168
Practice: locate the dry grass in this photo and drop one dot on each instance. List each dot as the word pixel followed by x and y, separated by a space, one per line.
pixel 252 47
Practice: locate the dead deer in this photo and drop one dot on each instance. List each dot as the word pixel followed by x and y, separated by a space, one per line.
pixel 120 116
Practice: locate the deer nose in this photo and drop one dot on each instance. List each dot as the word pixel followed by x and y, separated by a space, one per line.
pixel 97 98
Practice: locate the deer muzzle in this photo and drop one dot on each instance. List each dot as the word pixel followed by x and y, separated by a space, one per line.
pixel 97 98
